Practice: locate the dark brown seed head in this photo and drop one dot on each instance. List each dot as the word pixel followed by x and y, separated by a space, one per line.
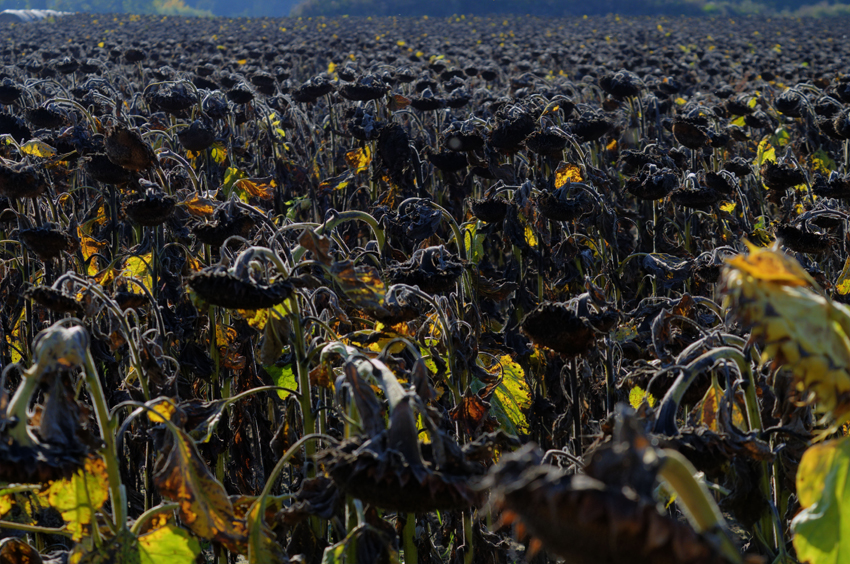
pixel 652 184
pixel 104 170
pixel 491 210
pixel 622 84
pixel 590 127
pixel 126 148
pixel 151 210
pixel 221 288
pixel 433 269
pixel 369 87
pixel 20 180
pixel 217 232
pixel 781 176
pixel 546 143
pixel 689 133
pixel 197 137
pixel 697 197
pixel 801 241
pixel 47 243
pixel 554 206
pixel 54 300
pixel 448 161
pixel 554 325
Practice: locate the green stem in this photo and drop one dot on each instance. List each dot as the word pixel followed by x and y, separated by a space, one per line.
pixel 695 500
pixel 150 514
pixel 305 400
pixel 110 454
pixel 257 511
pixel 411 555
pixel 34 529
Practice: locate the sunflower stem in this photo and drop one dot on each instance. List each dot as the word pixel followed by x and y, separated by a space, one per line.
pixel 107 435
pixel 411 555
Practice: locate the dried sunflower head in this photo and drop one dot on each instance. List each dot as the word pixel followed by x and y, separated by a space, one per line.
pixel 21 180
pixel 556 326
pixel 46 242
pixel 585 521
pixel 126 148
pixel 54 300
pixel 771 293
pixel 219 287
pixel 154 208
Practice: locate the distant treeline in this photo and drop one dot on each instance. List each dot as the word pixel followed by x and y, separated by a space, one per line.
pixel 551 8
pixel 440 8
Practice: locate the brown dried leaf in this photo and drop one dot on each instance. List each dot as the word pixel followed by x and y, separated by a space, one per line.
pixel 182 476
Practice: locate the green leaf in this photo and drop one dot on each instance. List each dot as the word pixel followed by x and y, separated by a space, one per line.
pixel 765 153
pixel 822 529
pixel 231 175
pixel 168 545
pixel 473 242
pixel 218 152
pixel 512 397
pixel 283 376
pixel 822 162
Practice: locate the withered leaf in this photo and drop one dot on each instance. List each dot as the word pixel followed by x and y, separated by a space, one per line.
pixel 182 476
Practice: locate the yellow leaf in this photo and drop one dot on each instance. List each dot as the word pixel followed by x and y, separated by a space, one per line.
pixel 6 502
pixel 88 247
pixel 16 342
pixel 256 318
pixel 765 153
pixel 612 146
pixel 331 67
pixel 681 101
pixel 566 173
pixel 79 497
pixel 251 189
pixel 530 237
pixel 163 409
pixel 708 408
pixel 359 159
pixel 168 544
pixel 199 207
pixel 637 395
pixel 225 337
pixel 242 61
pixel 512 396
pixel 842 285
pixel 771 265
pixel 37 148
pixel 138 266
pixel 822 162
pixel 218 152
pixel 728 207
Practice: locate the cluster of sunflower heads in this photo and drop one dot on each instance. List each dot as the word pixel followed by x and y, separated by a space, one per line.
pixel 797 327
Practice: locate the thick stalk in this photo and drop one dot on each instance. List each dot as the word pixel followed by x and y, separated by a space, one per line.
pixel 411 555
pixel 695 500
pixel 305 401
pixel 110 454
